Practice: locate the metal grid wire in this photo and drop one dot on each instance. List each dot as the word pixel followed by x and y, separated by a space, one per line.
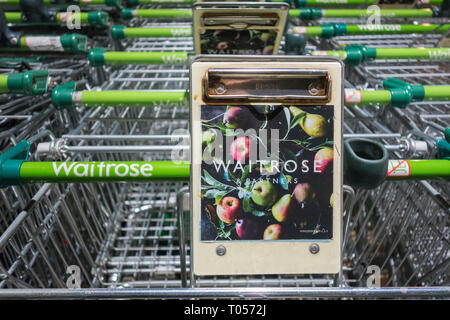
pixel 126 235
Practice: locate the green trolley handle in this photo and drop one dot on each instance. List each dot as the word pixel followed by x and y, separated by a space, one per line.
pixel 331 30
pixel 314 14
pixel 397 94
pixel 365 165
pixel 297 3
pixel 356 54
pixel 70 43
pixel 304 13
pixel 65 96
pixel 30 83
pixel 121 32
pixel 326 31
pixel 99 57
pixel 81 3
pixel 92 18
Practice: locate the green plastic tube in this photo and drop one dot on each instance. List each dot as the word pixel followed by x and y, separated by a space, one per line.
pixel 302 3
pixel 399 97
pixel 156 13
pixel 92 18
pixel 132 98
pixel 79 3
pixel 122 32
pixel 397 28
pixel 99 57
pixel 388 13
pixel 140 171
pixel 358 54
pixel 118 171
pixel 418 169
pixel 335 29
pixel 413 53
pixel 4 83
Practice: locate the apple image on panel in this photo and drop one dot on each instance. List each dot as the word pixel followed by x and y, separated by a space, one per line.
pixel 272 232
pixel 240 149
pixel 264 193
pixel 228 210
pixel 247 229
pixel 323 160
pixel 238 118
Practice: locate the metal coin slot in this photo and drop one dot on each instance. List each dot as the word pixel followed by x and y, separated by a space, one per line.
pixel 276 85
pixel 240 21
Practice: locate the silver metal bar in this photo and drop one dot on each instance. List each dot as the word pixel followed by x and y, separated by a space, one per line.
pixel 207 293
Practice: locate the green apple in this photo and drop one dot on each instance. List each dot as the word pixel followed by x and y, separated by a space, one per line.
pixel 283 209
pixel 264 193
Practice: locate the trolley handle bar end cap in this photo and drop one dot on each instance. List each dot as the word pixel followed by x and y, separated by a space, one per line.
pixel 62 96
pixel 331 30
pixel 295 44
pixel 97 57
pixel 118 32
pixel 74 42
pixel 10 163
pixel 98 18
pixel 443 146
pixel 357 54
pixel 402 93
pixel 127 13
pixel 30 83
pixel 365 163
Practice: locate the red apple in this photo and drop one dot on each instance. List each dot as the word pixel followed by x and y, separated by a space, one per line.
pixel 247 229
pixel 272 232
pixel 239 118
pixel 323 160
pixel 228 210
pixel 240 149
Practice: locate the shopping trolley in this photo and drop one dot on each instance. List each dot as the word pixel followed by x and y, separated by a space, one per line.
pixel 125 237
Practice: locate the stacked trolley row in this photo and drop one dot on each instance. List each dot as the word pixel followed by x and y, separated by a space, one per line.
pixel 127 235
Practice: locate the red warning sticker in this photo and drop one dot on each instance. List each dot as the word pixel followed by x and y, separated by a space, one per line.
pixel 399 168
pixel 352 96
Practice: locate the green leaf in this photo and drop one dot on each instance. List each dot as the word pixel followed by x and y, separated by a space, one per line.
pixel 287 114
pixel 219 196
pixel 247 205
pixel 297 119
pixel 207 178
pixel 211 193
pixel 257 213
pixel 284 183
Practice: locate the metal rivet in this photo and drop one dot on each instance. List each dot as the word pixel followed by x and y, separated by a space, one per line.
pixel 314 248
pixel 313 88
pixel 220 89
pixel 221 250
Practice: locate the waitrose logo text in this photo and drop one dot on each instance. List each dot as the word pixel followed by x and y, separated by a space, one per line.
pixel 102 169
